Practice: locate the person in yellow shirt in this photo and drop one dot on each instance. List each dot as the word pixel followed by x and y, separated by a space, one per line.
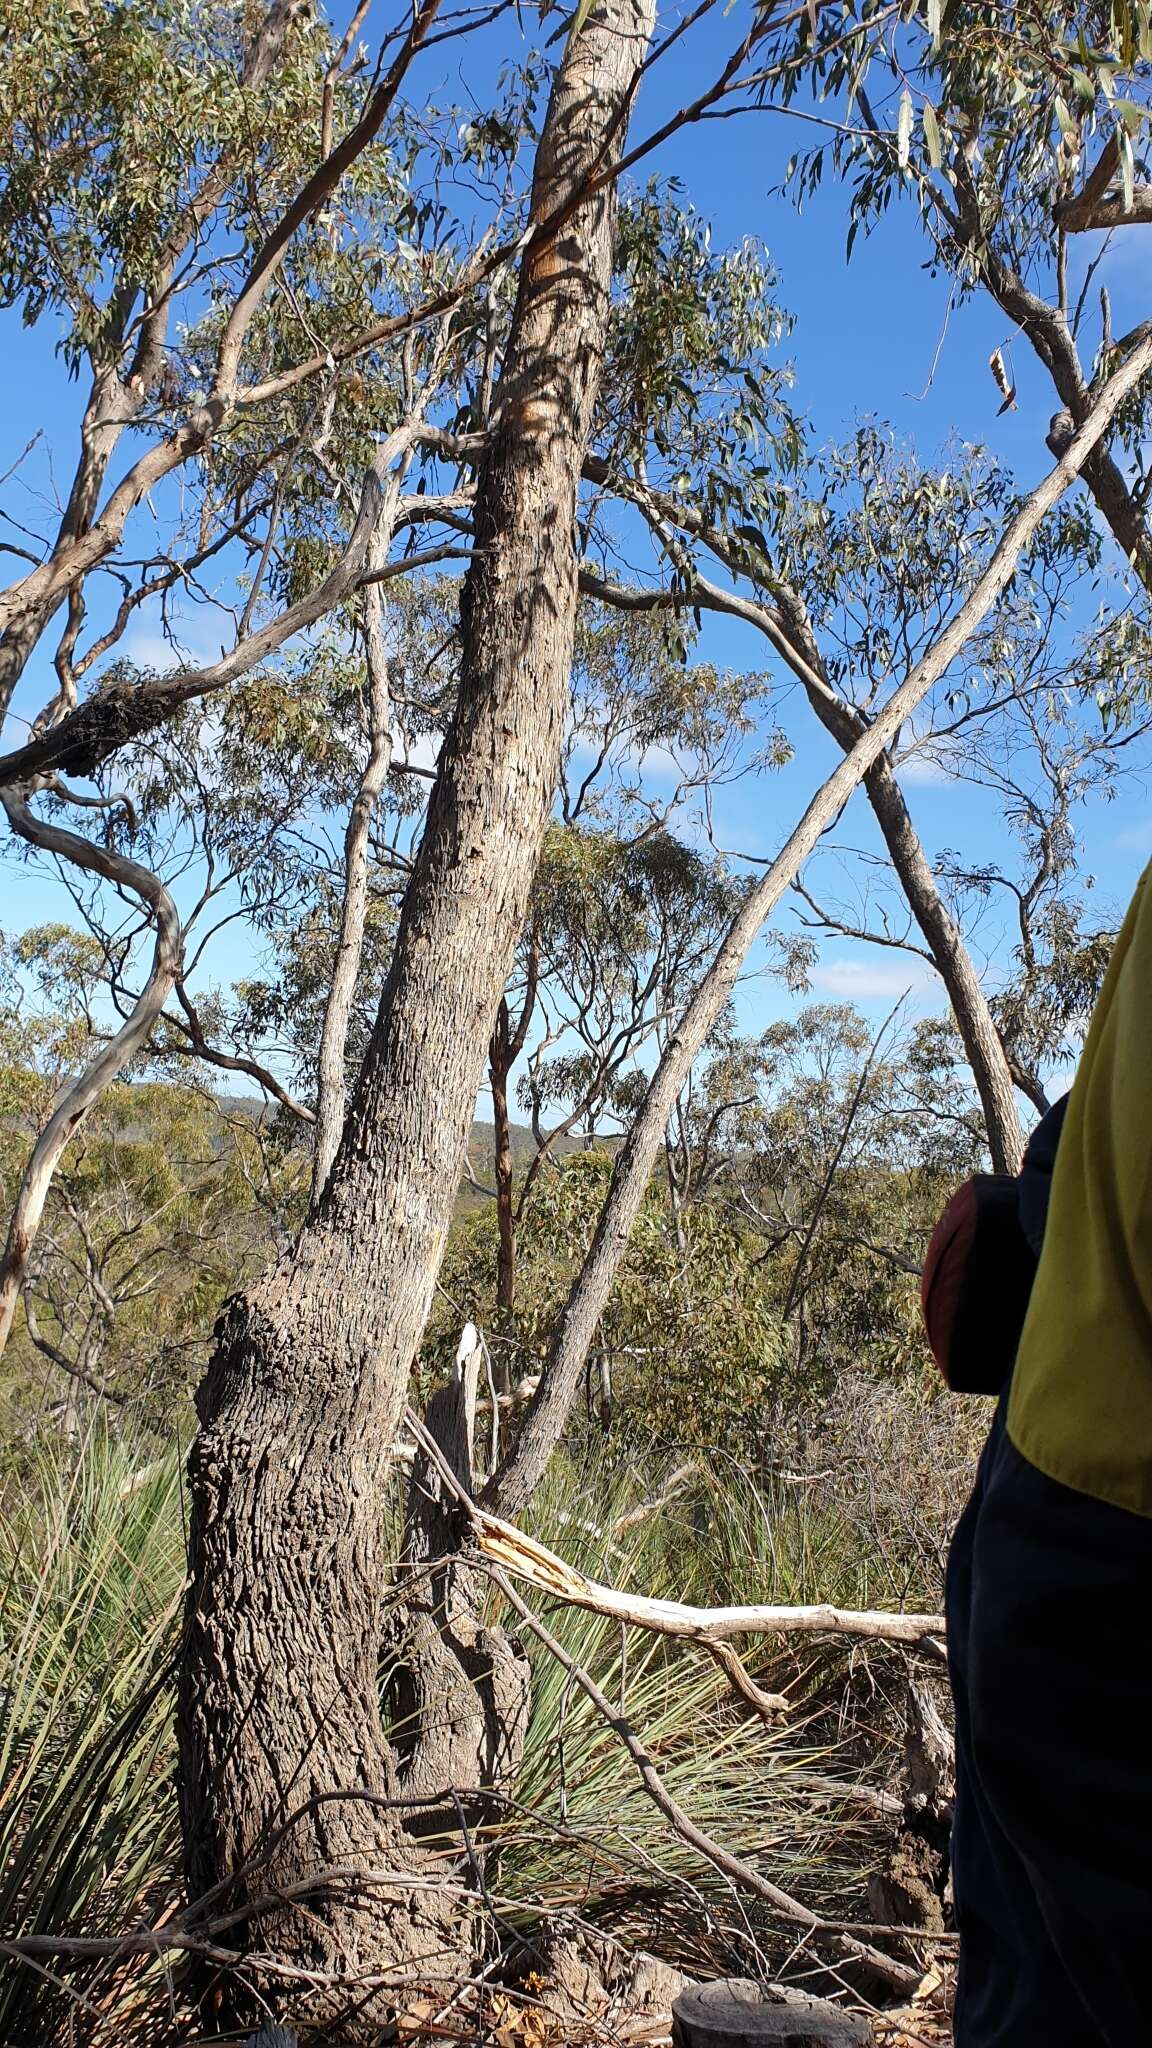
pixel 1049 1592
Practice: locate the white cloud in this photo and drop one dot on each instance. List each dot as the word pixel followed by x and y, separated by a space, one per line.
pixel 147 647
pixel 861 978
pixel 920 762
pixel 922 771
pixel 1135 838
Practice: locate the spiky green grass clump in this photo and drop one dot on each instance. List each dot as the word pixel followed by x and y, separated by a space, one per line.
pixel 91 1567
pixel 91 1575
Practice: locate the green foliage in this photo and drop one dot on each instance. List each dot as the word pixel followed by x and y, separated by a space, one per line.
pixel 151 1221
pixel 635 695
pixel 991 120
pixel 692 364
pixel 689 1334
pixel 886 549
pixel 115 118
pixel 770 1794
pixel 91 1573
pixel 837 1155
pixel 777 1250
pixel 1007 98
pixel 91 1578
pixel 165 1200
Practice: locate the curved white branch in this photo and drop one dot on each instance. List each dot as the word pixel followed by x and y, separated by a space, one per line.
pixel 513 1551
pixel 86 1091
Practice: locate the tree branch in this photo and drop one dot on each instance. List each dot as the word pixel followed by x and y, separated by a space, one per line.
pixel 735 1868
pixel 82 1097
pixel 511 1550
pixel 632 1170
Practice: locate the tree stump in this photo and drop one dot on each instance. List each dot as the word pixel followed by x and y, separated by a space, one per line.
pixel 735 2013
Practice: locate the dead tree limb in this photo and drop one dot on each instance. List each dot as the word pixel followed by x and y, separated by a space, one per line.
pixel 511 1550
pixel 735 1868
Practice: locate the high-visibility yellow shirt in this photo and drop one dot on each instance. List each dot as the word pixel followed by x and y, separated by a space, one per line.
pixel 1081 1402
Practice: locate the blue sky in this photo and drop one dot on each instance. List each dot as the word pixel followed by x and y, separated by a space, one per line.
pixel 877 337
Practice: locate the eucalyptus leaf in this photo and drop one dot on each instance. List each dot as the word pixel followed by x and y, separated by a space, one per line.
pixel 904 130
pixel 932 135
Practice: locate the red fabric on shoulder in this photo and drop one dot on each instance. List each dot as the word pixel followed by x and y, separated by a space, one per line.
pixel 945 1273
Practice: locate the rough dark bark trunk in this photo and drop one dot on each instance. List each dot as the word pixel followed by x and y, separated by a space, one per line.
pixel 279 1699
pixel 459 1689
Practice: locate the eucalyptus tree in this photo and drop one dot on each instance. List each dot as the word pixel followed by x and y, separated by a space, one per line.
pixel 848 1142
pixel 271 304
pixel 1042 713
pixel 1020 135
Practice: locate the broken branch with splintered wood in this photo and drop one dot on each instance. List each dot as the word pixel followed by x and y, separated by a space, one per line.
pixel 514 1551
pixel 506 1548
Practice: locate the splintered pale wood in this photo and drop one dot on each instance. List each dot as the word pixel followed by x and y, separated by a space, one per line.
pixel 538 1566
pixel 735 2013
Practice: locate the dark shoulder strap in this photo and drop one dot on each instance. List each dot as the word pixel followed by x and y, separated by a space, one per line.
pixel 1036 1173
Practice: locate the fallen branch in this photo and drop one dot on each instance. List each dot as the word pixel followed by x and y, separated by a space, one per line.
pixel 509 1549
pixel 513 1551
pixel 741 1873
pixel 768 1704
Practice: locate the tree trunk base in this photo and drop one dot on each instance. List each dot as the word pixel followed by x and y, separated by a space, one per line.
pixel 736 2013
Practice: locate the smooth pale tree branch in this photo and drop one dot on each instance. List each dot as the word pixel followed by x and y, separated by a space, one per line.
pixel 133 1035
pixel 331 1097
pixel 788 629
pixel 34 598
pixel 767 1704
pixel 632 1172
pixel 507 1549
pixel 117 716
pixel 311 195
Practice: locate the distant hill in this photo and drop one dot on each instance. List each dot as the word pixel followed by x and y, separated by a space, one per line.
pixel 480 1144
pixel 480 1150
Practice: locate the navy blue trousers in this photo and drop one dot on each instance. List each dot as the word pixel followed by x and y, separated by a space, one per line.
pixel 1049 1604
